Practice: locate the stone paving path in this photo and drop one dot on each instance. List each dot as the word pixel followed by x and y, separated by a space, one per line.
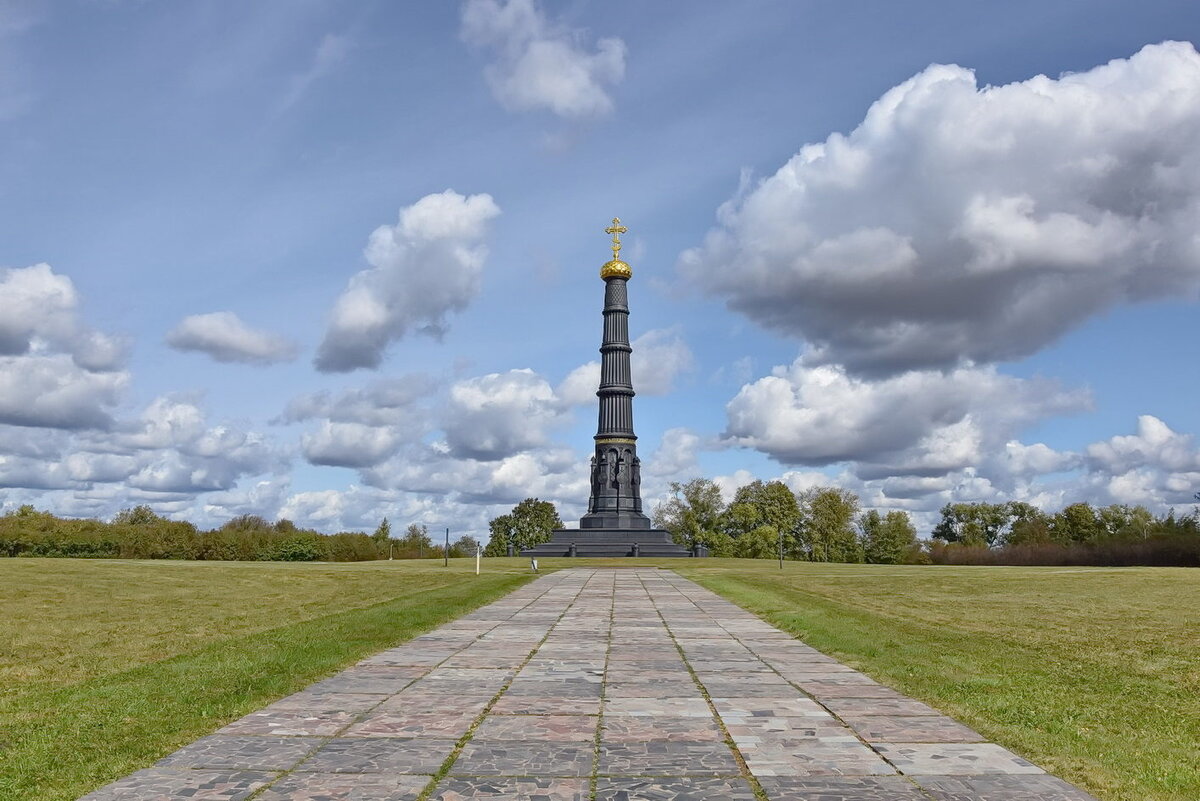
pixel 608 684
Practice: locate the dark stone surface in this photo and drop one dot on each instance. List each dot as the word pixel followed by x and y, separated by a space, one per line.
pixel 164 784
pixel 371 755
pixel 228 752
pixel 524 758
pixel 840 788
pixel 505 789
pixel 673 789
pixel 608 542
pixel 346 787
pixel 1000 787
pixel 667 758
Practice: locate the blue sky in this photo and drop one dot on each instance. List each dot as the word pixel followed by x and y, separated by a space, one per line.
pixel 339 261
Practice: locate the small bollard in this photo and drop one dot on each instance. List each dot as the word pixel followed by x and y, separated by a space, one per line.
pixel 533 564
pixel 572 552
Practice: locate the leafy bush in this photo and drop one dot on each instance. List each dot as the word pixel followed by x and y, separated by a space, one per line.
pixel 139 533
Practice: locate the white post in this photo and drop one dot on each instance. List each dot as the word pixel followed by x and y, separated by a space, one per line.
pixel 478 551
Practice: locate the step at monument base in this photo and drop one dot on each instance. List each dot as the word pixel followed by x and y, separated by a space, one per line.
pixel 608 542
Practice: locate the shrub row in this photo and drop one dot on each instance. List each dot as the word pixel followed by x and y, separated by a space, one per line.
pixel 29 533
pixel 1177 550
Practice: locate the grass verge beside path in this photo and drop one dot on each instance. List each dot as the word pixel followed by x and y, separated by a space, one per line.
pixel 1093 673
pixel 106 666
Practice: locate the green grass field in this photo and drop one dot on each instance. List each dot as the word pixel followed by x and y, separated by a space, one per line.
pixel 106 666
pixel 1093 673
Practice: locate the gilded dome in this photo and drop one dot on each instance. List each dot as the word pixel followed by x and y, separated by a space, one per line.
pixel 616 269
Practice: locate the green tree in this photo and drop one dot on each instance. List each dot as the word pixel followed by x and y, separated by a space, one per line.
pixel 972 523
pixel 466 545
pixel 247 523
pixel 1125 522
pixel 383 537
pixel 501 529
pixel 761 543
pixel 1027 525
pixel 415 543
pixel 1076 523
pixel 826 531
pixel 137 516
pixel 886 540
pixel 529 523
pixel 693 514
pixel 760 504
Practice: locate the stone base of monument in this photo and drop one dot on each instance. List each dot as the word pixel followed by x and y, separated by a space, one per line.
pixel 608 542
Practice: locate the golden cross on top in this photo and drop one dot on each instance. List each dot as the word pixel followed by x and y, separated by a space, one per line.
pixel 616 229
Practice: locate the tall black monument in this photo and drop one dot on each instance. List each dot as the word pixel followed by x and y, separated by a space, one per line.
pixel 614 524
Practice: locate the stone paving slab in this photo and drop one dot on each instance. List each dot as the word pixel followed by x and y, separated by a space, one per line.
pixel 1000 787
pixel 674 789
pixel 667 758
pixel 841 788
pixel 552 728
pixel 920 729
pixel 617 685
pixel 525 758
pixel 346 787
pixel 229 752
pixel 378 755
pixel 166 784
pixel 512 789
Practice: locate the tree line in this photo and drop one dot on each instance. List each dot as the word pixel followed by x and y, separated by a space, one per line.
pixel 822 525
pixel 827 524
pixel 1017 533
pixel 139 533
pixel 765 519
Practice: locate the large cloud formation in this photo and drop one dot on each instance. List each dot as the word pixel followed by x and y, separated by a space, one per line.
pixel 539 64
pixel 55 372
pixel 963 224
pixel 39 313
pixel 492 416
pixel 920 423
pixel 422 268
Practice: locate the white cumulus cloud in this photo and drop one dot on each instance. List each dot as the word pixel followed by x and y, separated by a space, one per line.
pixel 422 268
pixel 392 401
pixel 52 391
pixel 963 224
pixel 921 422
pixel 539 64
pixel 350 444
pixel 1154 445
pixel 39 308
pixel 495 415
pixel 224 337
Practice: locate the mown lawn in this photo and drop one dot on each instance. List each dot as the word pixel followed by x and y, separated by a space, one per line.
pixel 106 665
pixel 1093 673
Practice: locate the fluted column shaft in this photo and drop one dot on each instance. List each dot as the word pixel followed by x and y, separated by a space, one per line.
pixel 616 500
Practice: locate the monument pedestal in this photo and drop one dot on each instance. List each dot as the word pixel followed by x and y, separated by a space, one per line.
pixel 608 542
